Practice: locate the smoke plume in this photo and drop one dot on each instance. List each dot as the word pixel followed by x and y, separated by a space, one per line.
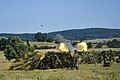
pixel 60 39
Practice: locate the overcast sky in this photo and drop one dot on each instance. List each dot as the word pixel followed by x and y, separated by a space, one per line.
pixel 23 16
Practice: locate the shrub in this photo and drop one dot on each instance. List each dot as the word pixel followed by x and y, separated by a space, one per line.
pixel 113 44
pixel 35 46
pixel 3 43
pixel 99 45
pixel 16 48
pixel 31 49
pixel 10 53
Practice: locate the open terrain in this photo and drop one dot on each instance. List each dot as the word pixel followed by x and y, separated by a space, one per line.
pixel 85 72
pixel 39 44
pixel 101 40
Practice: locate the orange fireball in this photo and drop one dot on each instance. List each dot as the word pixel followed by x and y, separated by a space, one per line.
pixel 82 46
pixel 63 47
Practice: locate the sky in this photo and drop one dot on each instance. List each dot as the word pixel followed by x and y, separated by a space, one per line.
pixel 27 16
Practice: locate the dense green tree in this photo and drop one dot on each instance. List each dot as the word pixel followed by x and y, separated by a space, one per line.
pixel 10 53
pixel 16 48
pixel 35 46
pixel 28 43
pixel 3 43
pixel 49 40
pixel 41 37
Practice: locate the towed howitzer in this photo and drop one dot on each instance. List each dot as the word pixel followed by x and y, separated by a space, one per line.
pixel 48 59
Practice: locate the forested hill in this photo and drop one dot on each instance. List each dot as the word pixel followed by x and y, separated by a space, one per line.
pixel 89 33
pixel 74 34
pixel 24 36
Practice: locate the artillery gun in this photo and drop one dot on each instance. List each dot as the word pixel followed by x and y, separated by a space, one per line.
pixel 62 57
pixel 65 56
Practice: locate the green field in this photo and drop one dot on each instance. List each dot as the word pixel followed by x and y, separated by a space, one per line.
pixel 85 72
pixel 43 44
pixel 103 49
pixel 101 40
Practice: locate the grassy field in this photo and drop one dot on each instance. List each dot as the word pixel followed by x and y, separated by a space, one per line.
pixel 43 44
pixel 103 49
pixel 85 72
pixel 101 40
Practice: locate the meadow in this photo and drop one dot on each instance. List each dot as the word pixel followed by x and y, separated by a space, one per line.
pixel 39 44
pixel 85 72
pixel 101 40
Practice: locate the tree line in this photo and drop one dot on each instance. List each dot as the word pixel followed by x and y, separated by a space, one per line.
pixel 110 44
pixel 73 34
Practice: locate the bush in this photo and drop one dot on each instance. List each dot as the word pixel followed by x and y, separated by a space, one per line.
pixel 31 49
pixel 113 44
pixel 16 48
pixel 49 40
pixel 35 46
pixel 10 53
pixel 40 37
pixel 3 43
pixel 99 45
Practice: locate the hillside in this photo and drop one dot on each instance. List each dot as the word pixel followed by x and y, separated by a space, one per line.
pixel 74 34
pixel 89 33
pixel 24 36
